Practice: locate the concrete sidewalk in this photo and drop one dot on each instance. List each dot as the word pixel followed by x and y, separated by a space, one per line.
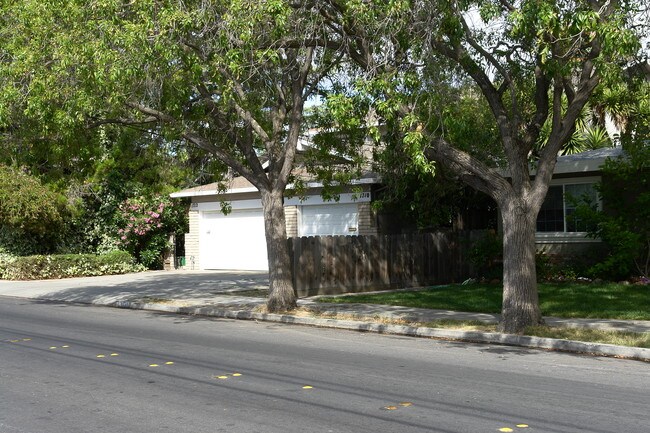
pixel 242 295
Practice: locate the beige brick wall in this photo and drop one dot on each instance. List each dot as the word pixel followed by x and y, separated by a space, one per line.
pixel 192 241
pixel 367 220
pixel 291 216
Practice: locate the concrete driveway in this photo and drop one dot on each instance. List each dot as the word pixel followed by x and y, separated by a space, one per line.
pixel 197 287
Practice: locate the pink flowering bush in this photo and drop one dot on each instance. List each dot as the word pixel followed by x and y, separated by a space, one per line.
pixel 145 224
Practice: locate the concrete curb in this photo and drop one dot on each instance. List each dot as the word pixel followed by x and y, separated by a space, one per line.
pixel 437 333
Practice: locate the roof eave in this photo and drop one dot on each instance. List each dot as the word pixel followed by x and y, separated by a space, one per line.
pixel 203 193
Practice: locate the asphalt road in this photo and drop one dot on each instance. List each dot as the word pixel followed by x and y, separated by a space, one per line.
pixel 67 368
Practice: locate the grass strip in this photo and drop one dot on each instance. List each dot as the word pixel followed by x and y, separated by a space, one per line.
pixel 618 338
pixel 569 300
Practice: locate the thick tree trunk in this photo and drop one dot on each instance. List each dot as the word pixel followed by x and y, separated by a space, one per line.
pixel 520 300
pixel 281 294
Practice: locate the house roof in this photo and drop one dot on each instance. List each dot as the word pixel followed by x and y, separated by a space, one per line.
pixel 590 160
pixel 239 185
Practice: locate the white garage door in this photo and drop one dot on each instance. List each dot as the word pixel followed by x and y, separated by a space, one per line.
pixel 233 241
pixel 329 219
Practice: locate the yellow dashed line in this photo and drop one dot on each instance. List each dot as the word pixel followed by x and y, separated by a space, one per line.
pixel 307 387
pixel 101 356
pixel 522 425
pixel 397 406
pixel 52 347
pixel 505 429
pixel 226 376
pixel 65 347
pixel 153 365
pixel 27 339
pixel 115 354
pixel 169 363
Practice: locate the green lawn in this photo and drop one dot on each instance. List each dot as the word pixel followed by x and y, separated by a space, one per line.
pixel 603 301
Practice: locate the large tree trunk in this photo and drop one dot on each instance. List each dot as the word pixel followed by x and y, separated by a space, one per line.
pixel 520 300
pixel 281 294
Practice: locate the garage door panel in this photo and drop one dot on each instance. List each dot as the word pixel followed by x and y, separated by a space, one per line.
pixel 329 220
pixel 233 241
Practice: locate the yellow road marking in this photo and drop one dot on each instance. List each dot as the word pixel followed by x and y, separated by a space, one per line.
pixel 66 346
pixel 169 363
pixel 153 365
pixel 115 354
pixel 101 356
pixel 505 429
pixel 221 377
pixel 307 387
pixel 14 341
pixel 522 425
pixel 236 374
pixel 406 403
pixel 390 407
pixel 52 347
pixel 27 339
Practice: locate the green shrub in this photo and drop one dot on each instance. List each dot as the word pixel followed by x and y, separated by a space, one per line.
pixel 6 261
pixel 31 216
pixel 486 256
pixel 624 223
pixel 41 267
pixel 556 268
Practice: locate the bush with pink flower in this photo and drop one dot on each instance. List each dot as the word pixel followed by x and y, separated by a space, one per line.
pixel 145 225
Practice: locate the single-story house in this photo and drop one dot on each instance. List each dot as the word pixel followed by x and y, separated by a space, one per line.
pixel 575 176
pixel 237 240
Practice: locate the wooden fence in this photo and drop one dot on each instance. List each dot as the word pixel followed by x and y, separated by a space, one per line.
pixel 343 264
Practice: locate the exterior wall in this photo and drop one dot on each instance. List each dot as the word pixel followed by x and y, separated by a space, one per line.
pixel 192 242
pixel 291 215
pixel 367 220
pixel 578 255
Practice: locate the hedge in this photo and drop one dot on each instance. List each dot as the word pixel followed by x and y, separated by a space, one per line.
pixel 42 267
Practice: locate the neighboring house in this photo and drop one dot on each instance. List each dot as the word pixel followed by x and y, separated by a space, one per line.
pixel 237 240
pixel 575 176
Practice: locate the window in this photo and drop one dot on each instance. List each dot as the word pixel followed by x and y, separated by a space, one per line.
pixel 556 214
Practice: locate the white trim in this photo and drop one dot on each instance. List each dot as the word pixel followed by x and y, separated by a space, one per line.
pixel 575 180
pixel 313 200
pixel 202 193
pixel 563 238
pixel 234 205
